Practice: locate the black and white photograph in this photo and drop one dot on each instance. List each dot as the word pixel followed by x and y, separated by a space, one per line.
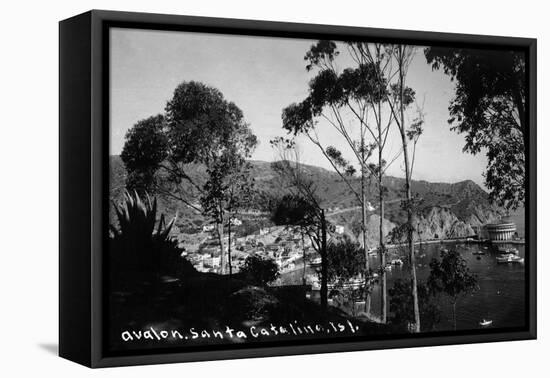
pixel 271 190
pixel 274 189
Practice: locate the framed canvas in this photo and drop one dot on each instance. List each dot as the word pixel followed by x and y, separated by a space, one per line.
pixel 234 188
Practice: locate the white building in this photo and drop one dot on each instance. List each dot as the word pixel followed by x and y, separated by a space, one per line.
pixel 235 222
pixel 208 228
pixel 215 262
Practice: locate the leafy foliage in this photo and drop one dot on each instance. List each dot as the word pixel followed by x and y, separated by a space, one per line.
pixel 401 305
pixel 322 50
pixel 203 127
pixel 199 128
pixel 295 210
pixel 451 276
pixel 345 263
pixel 259 271
pixel 489 107
pixel 229 187
pixel 346 260
pixel 144 151
pixel 338 159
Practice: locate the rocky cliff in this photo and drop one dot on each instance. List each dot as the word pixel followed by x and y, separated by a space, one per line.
pixel 444 223
pixel 441 223
pixel 373 228
pixel 448 210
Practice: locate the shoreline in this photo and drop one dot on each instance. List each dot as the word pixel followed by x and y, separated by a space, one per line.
pixel 457 240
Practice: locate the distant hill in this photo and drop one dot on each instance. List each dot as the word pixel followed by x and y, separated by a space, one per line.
pixel 465 200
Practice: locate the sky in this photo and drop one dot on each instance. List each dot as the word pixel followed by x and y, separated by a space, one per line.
pixel 262 76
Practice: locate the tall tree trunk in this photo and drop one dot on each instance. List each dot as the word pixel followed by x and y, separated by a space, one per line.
pixel 364 225
pixel 222 247
pixel 229 247
pixel 410 235
pixel 303 259
pixel 412 258
pixel 382 247
pixel 324 263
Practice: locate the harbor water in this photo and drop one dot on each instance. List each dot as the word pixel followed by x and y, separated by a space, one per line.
pixel 500 296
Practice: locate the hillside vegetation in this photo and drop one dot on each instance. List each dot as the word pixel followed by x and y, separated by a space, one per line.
pixel 445 209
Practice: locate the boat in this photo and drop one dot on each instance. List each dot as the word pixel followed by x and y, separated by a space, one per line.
pixel 372 252
pixel 475 253
pixel 316 262
pixel 509 258
pixel 507 251
pixel 485 323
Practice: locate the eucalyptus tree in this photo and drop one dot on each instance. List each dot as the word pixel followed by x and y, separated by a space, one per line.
pixel 301 206
pixel 489 107
pixel 227 190
pixel 400 99
pixel 377 59
pixel 195 153
pixel 354 103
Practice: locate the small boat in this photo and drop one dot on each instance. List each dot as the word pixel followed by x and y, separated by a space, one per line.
pixel 476 253
pixel 509 258
pixel 508 251
pixel 316 262
pixel 485 323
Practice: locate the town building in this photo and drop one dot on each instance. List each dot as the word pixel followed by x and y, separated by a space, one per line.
pixel 503 230
pixel 236 222
pixel 208 228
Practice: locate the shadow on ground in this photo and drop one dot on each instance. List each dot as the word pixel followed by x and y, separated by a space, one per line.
pixel 51 348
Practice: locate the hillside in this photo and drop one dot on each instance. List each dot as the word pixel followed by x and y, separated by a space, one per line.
pixel 463 202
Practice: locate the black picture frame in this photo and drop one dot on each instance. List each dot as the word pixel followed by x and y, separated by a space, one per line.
pixel 84 176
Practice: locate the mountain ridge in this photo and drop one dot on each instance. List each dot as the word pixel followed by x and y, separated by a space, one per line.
pixel 466 201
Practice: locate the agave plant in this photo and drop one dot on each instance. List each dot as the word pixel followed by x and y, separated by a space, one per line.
pixel 137 218
pixel 138 249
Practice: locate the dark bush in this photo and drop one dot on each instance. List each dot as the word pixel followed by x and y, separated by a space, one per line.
pixel 259 271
